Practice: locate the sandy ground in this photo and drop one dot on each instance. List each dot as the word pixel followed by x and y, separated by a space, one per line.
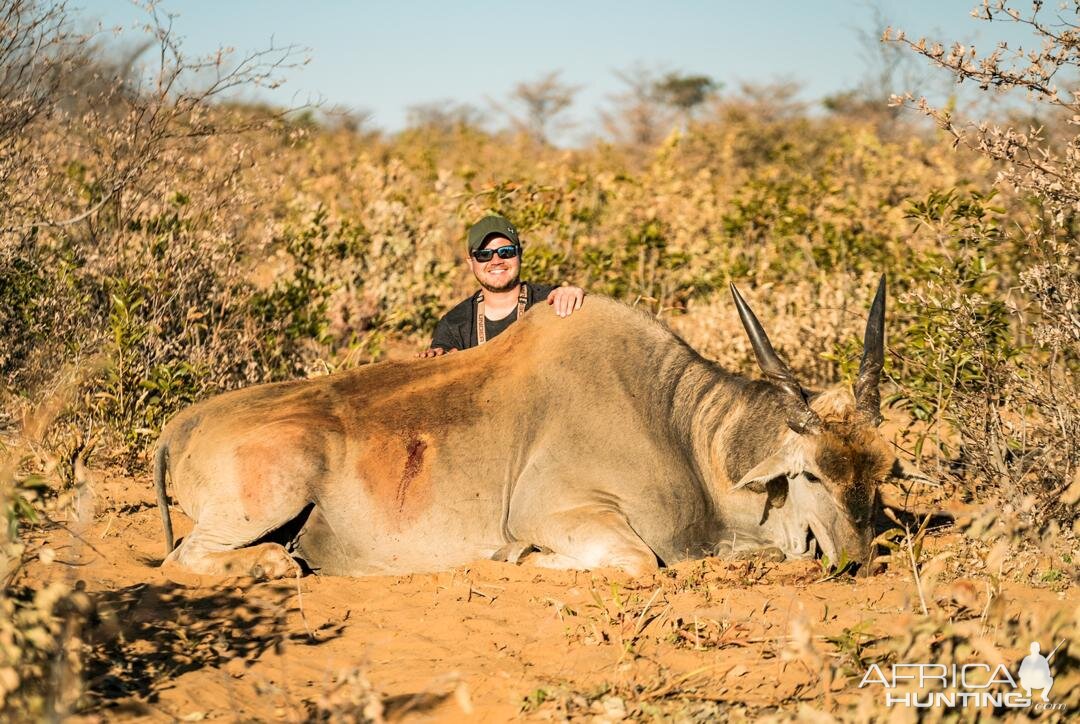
pixel 490 642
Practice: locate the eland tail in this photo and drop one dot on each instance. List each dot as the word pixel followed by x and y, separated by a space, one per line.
pixel 161 461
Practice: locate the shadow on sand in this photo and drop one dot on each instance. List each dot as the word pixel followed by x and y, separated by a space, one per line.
pixel 147 635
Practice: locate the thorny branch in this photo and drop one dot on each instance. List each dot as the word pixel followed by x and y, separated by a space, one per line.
pixel 125 118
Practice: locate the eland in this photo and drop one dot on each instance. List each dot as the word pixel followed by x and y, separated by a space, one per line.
pixel 601 440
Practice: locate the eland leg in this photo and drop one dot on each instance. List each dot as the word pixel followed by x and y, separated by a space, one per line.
pixel 586 538
pixel 219 546
pixel 202 554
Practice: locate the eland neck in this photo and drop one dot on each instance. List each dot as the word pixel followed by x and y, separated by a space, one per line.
pixel 730 422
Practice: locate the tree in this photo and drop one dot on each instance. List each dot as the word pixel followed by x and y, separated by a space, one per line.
pixel 542 102
pixel 765 102
pixel 887 69
pixel 638 117
pixel 59 92
pixel 445 115
pixel 1046 167
pixel 685 93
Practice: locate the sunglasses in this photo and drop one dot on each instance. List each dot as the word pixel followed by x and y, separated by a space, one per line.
pixel 504 252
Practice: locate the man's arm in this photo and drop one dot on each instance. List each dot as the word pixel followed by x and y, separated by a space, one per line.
pixel 566 300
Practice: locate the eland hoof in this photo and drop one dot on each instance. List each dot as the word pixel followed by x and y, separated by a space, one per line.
pixel 274 563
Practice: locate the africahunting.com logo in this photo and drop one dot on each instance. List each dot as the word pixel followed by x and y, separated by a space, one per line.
pixel 974 685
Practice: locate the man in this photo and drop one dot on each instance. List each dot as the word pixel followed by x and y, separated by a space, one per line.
pixel 494 256
pixel 1035 672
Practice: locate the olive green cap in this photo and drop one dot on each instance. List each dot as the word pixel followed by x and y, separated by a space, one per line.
pixel 488 227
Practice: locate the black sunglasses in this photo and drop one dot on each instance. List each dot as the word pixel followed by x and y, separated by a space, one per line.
pixel 504 252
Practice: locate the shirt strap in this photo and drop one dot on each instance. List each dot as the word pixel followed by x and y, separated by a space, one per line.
pixel 481 327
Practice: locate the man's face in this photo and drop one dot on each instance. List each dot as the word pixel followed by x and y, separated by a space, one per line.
pixel 497 275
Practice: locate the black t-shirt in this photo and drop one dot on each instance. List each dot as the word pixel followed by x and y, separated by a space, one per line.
pixel 457 330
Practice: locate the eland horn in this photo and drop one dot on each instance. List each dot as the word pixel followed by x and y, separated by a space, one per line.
pixel 867 394
pixel 802 419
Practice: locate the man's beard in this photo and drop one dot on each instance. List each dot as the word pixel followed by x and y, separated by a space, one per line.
pixel 502 287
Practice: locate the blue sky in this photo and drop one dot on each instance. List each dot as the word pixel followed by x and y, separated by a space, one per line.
pixel 383 56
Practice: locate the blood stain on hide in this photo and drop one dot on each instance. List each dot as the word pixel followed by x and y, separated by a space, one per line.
pixel 414 463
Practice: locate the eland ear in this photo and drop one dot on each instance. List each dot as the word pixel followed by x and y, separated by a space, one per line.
pixel 903 470
pixel 775 466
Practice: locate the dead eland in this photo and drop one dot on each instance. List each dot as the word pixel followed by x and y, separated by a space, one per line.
pixel 423 465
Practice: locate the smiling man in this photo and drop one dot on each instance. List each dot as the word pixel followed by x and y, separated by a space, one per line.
pixel 494 256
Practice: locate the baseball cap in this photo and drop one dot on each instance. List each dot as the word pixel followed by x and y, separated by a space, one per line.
pixel 489 226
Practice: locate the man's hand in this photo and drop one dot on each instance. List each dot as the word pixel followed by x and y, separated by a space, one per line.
pixel 566 300
pixel 435 352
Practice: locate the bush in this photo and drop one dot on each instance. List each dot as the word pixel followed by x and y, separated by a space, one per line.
pixel 1006 304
